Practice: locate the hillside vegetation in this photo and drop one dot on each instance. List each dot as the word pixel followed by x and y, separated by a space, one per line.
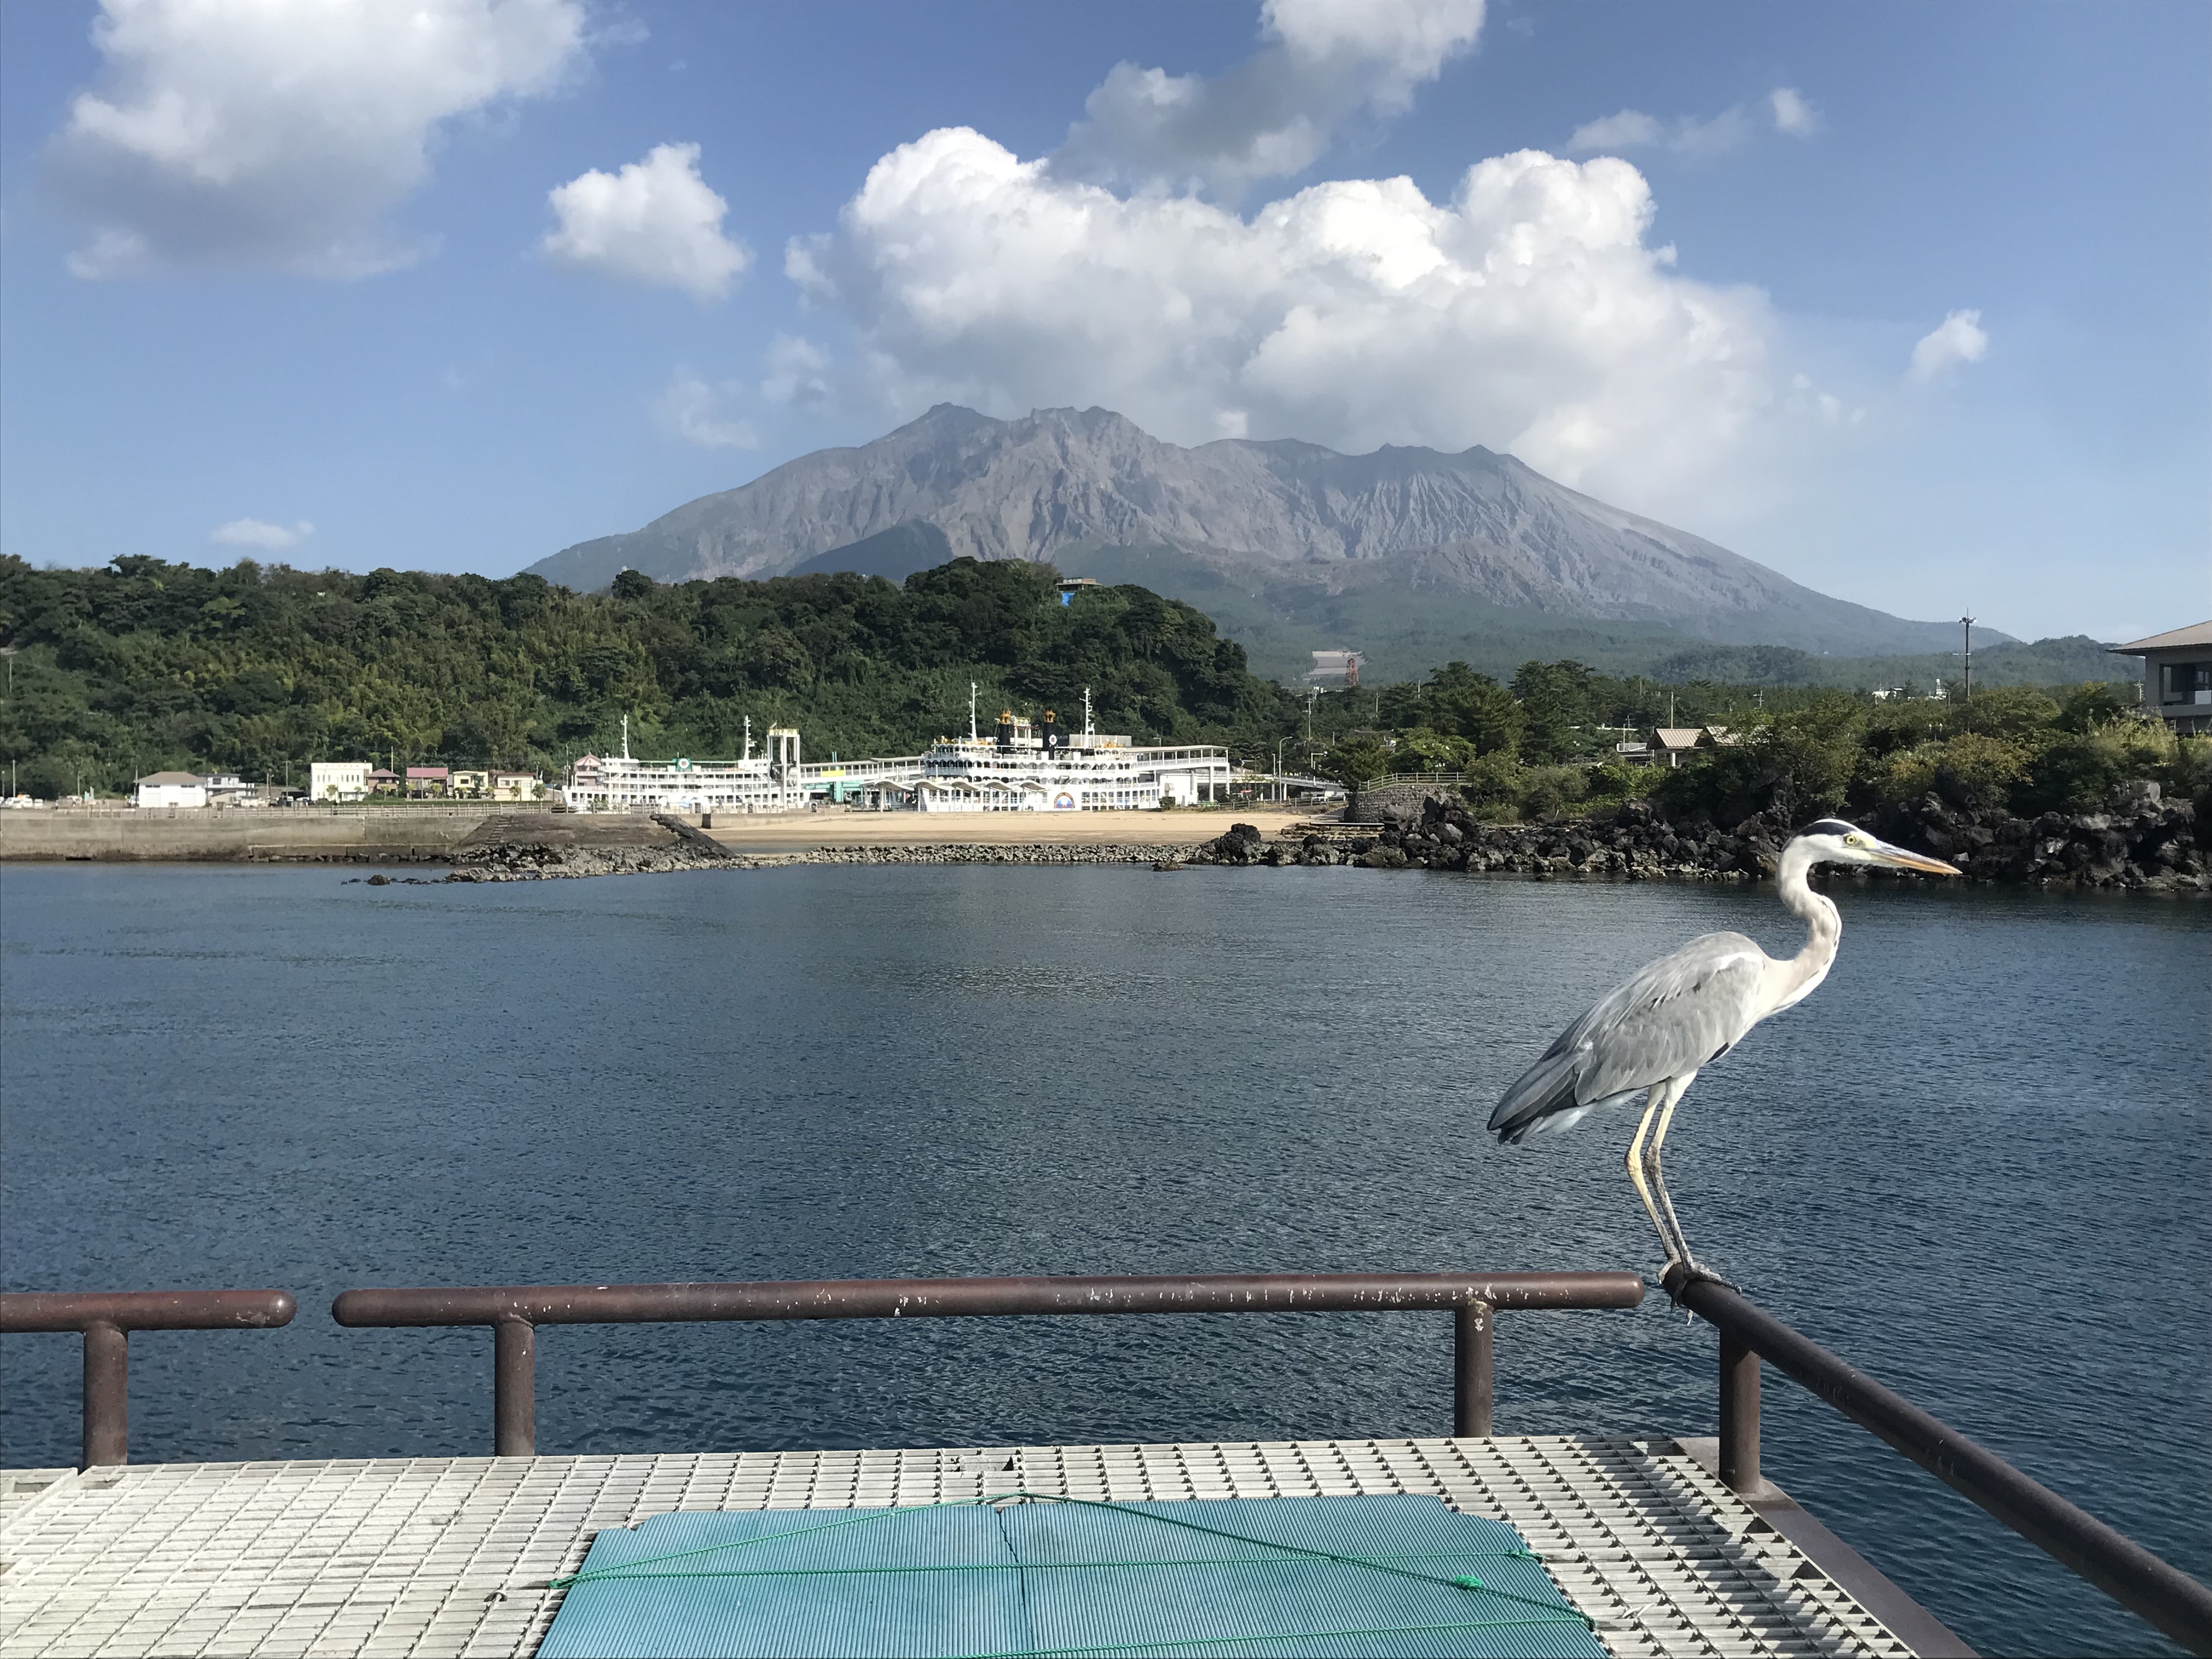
pixel 1542 746
pixel 141 666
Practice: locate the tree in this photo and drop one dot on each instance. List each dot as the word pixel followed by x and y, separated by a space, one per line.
pixel 1475 707
pixel 1555 704
pixel 630 584
pixel 2089 706
pixel 1424 749
pixel 1357 760
pixel 416 666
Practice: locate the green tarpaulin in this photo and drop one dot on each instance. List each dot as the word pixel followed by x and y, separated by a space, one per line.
pixel 1332 1578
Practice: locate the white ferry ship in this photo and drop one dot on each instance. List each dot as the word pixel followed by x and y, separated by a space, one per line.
pixel 1034 766
pixel 1023 766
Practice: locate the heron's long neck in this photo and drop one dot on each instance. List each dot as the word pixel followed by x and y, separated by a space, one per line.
pixel 1797 977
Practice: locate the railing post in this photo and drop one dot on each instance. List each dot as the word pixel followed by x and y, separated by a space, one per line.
pixel 514 1389
pixel 1739 1416
pixel 106 1394
pixel 1473 1339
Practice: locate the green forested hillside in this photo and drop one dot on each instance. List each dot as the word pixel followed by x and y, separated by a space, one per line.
pixel 143 666
pixel 120 671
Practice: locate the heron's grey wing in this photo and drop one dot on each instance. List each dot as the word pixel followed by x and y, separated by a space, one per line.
pixel 1670 1016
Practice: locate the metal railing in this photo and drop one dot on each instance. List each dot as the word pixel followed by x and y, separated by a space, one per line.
pixel 1407 779
pixel 106 1318
pixel 2162 1595
pixel 2138 1580
pixel 515 1312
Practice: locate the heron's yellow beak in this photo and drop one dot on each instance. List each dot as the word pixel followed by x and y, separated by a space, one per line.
pixel 1905 860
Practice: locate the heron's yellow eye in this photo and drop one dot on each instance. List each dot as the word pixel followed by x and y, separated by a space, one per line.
pixel 1854 841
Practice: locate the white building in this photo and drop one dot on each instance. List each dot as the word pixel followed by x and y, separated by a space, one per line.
pixel 170 789
pixel 328 780
pixel 1336 664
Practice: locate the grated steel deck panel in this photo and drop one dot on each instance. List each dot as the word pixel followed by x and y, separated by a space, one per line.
pixel 450 1556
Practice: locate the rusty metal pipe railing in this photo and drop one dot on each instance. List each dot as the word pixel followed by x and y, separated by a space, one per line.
pixel 513 1312
pixel 106 1318
pixel 1738 1415
pixel 2159 1593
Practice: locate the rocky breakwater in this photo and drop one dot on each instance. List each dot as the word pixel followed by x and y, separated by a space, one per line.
pixel 552 861
pixel 1442 835
pixel 2141 843
pixel 547 861
pixel 2138 839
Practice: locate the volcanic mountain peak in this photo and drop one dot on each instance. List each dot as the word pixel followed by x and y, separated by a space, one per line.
pixel 1290 525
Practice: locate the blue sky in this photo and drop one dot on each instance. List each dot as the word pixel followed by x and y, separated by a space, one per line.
pixel 1908 302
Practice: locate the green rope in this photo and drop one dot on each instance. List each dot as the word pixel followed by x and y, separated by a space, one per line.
pixel 626 1571
pixel 623 1573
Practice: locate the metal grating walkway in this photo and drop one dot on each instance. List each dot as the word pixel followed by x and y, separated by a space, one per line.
pixel 449 1556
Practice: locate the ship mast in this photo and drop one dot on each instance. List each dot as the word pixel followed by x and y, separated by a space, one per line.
pixel 971 711
pixel 1086 712
pixel 625 736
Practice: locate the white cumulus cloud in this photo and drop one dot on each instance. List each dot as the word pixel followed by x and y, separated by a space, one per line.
pixel 1526 313
pixel 259 534
pixel 1793 113
pixel 1322 63
pixel 798 372
pixel 692 408
pixel 1788 109
pixel 656 220
pixel 1959 338
pixel 263 135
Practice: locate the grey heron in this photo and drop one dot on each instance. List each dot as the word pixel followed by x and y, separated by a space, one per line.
pixel 1651 1035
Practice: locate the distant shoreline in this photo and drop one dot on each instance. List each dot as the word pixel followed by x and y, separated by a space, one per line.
pixel 405 836
pixel 2148 846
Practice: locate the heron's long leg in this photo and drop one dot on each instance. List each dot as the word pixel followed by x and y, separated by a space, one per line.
pixel 1635 1168
pixel 1678 1245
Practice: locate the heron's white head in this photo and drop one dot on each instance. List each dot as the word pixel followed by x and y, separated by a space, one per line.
pixel 1832 841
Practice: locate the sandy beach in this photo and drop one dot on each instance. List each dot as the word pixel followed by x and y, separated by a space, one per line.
pixel 834 827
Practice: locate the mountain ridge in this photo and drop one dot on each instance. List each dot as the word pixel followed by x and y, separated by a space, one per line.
pixel 1319 541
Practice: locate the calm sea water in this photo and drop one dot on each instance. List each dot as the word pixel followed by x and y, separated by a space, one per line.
pixel 1975 1161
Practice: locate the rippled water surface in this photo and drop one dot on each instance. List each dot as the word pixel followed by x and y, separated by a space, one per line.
pixel 1976 1162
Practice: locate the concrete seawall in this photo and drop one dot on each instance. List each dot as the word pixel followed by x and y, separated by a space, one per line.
pixel 311 835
